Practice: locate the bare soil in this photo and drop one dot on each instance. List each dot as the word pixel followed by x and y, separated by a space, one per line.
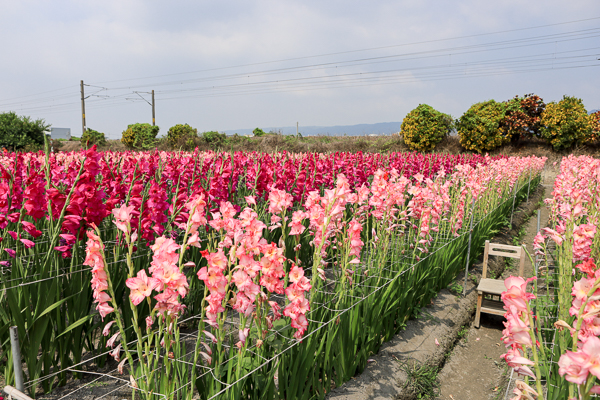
pixel 329 144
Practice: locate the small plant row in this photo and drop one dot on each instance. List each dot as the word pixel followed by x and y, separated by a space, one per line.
pixel 490 124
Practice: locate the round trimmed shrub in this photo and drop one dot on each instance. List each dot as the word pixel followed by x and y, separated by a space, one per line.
pixel 523 116
pixel 595 120
pixel 565 123
pixel 140 136
pixel 91 137
pixel 424 127
pixel 480 128
pixel 181 133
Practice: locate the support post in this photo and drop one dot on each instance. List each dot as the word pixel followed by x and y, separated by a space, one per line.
pixel 469 248
pixel 16 355
pixel 153 113
pixel 539 219
pixel 513 205
pixel 296 128
pixel 528 184
pixel 82 110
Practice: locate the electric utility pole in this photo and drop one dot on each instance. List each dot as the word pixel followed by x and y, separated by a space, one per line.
pixel 151 104
pixel 82 110
pixel 153 113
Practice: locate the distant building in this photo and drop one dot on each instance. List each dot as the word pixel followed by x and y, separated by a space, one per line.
pixel 60 133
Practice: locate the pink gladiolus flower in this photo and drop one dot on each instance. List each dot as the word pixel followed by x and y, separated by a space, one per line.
pixel 574 367
pixel 111 342
pixel 11 252
pixel 279 200
pixel 104 309
pixel 141 287
pixel 554 236
pixel 116 353
pixel 106 329
pixel 296 274
pixel 250 200
pixel 518 363
pixel 592 349
pixel 516 294
pixel 583 236
pixel 123 217
pixel 588 267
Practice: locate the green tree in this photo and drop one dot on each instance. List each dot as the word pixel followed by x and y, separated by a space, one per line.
pixel 258 132
pixel 18 132
pixel 140 136
pixel 91 137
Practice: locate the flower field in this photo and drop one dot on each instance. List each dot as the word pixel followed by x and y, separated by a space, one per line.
pixel 561 313
pixel 233 275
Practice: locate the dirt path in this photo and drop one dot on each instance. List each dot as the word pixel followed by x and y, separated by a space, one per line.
pixel 474 369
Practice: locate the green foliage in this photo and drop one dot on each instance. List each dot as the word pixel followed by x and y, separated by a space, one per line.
pixel 179 135
pixel 455 287
pixel 522 118
pixel 91 137
pixel 422 380
pixel 595 121
pixel 566 123
pixel 214 138
pixel 140 136
pixel 20 132
pixel 480 128
pixel 259 132
pixel 424 127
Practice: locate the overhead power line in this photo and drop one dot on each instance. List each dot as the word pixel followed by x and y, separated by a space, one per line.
pixel 448 62
pixel 359 50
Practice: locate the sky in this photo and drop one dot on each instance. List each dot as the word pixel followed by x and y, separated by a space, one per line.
pixel 226 65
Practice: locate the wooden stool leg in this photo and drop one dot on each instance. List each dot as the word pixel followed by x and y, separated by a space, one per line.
pixel 478 312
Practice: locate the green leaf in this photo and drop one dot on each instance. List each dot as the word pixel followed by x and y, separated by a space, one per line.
pixel 76 324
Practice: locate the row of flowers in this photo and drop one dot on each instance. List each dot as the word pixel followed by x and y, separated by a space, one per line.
pixel 174 241
pixel 317 258
pixel 562 336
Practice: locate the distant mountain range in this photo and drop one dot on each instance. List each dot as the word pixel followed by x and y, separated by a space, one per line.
pixel 381 128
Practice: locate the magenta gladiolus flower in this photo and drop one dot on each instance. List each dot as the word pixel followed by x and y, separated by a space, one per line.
pixel 28 243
